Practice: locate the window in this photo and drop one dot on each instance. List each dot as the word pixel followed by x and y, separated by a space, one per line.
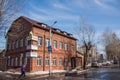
pixel 21 57
pixel 66 46
pixel 12 62
pixel 17 43
pixel 66 62
pixel 9 46
pixel 47 42
pixel 55 44
pixel 16 61
pixel 60 61
pixel 13 45
pixel 47 61
pixel 25 60
pixel 54 62
pixel 61 44
pixel 72 48
pixel 39 41
pixel 39 61
pixel 8 60
pixel 26 41
pixel 21 43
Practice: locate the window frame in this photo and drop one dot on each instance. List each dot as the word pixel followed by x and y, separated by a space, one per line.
pixel 39 61
pixel 55 44
pixel 60 61
pixel 47 42
pixel 39 41
pixel 47 61
pixel 55 61
pixel 61 45
pixel 66 46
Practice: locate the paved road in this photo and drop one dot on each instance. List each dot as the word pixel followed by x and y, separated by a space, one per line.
pixel 105 73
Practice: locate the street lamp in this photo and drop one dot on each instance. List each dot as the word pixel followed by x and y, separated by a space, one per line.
pixel 50 69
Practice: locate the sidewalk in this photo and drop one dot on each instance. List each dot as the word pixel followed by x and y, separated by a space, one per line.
pixel 7 75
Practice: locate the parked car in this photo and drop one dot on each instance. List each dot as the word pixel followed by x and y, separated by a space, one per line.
pixel 108 63
pixel 88 65
pixel 96 64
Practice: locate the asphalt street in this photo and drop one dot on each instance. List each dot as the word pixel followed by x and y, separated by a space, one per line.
pixel 103 73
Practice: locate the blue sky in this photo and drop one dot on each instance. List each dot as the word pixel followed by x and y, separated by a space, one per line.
pixel 99 13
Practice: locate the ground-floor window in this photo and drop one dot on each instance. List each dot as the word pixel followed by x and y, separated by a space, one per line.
pixel 25 60
pixel 54 61
pixel 66 62
pixel 8 61
pixel 39 61
pixel 47 61
pixel 21 57
pixel 60 61
pixel 16 61
pixel 12 62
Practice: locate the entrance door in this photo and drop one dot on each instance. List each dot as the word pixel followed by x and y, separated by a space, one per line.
pixel 73 62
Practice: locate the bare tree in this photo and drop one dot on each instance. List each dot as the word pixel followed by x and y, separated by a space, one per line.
pixel 8 10
pixel 85 33
pixel 112 45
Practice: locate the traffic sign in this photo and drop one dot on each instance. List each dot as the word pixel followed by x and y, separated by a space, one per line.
pixel 50 49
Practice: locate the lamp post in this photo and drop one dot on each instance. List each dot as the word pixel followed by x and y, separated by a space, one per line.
pixel 50 69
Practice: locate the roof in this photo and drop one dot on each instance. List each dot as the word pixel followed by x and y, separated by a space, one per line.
pixel 39 25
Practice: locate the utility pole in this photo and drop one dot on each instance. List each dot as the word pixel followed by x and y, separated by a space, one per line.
pixel 50 50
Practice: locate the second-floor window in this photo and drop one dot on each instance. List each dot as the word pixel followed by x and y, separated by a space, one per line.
pixel 9 46
pixel 55 44
pixel 47 42
pixel 39 40
pixel 72 48
pixel 61 44
pixel 66 46
pixel 25 41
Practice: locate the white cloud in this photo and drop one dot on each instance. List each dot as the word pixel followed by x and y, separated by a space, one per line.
pixel 105 4
pixel 61 6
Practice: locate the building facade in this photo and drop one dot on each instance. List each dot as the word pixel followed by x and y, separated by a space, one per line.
pixel 91 55
pixel 2 60
pixel 27 44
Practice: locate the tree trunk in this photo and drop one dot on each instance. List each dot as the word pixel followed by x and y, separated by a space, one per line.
pixel 85 59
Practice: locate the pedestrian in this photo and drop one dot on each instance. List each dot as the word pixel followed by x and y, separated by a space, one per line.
pixel 23 69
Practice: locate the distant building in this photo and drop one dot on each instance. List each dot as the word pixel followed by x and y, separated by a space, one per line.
pixel 28 41
pixel 91 55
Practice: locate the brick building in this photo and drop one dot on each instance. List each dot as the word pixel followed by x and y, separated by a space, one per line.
pixel 28 41
pixel 2 60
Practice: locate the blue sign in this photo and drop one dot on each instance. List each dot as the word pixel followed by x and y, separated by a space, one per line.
pixel 50 49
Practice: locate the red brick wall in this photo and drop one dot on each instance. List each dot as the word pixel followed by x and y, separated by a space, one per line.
pixel 42 50
pixel 2 64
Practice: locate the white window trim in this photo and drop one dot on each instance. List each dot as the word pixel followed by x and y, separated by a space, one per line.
pixel 39 61
pixel 54 61
pixel 47 60
pixel 61 62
